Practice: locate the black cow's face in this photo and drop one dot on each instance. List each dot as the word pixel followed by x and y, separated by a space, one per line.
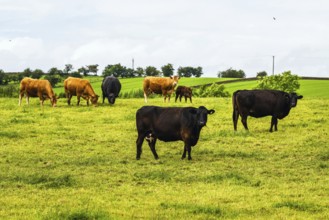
pixel 293 99
pixel 111 98
pixel 202 115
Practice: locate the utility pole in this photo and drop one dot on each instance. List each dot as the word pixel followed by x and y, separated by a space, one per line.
pixel 133 64
pixel 273 66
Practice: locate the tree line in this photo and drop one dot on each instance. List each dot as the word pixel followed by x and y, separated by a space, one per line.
pixel 55 75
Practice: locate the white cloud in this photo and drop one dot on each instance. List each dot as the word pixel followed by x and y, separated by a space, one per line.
pixel 213 34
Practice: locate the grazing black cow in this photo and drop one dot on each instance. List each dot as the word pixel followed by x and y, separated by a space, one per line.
pixel 170 124
pixel 111 87
pixel 183 91
pixel 260 103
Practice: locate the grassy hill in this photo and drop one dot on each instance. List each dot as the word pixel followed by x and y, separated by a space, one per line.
pixel 308 88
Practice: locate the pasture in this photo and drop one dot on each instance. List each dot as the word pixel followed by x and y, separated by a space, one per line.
pixel 78 162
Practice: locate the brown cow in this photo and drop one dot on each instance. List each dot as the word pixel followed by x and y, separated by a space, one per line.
pixel 80 88
pixel 159 85
pixel 36 88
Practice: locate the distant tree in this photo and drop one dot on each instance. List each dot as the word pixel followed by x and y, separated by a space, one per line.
pixel 75 74
pixel 53 79
pixel 93 69
pixel 151 71
pixel 198 71
pixel 130 73
pixel 27 72
pixel 231 73
pixel 3 78
pixel 116 70
pixel 261 74
pixel 189 71
pixel 285 82
pixel 185 71
pixel 83 71
pixel 167 70
pixel 37 74
pixel 67 69
pixel 54 71
pixel 139 72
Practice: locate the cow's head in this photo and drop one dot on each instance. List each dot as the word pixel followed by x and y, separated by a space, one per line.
pixel 293 99
pixel 53 100
pixel 94 99
pixel 202 115
pixel 111 98
pixel 175 80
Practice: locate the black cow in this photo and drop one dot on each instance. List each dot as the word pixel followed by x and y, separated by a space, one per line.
pixel 183 91
pixel 260 103
pixel 170 124
pixel 111 87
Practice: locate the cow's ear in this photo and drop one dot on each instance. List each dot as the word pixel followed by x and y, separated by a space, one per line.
pixel 211 111
pixel 299 97
pixel 193 111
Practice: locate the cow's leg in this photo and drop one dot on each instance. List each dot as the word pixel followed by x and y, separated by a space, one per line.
pixel 152 141
pixel 145 97
pixel 41 100
pixel 187 148
pixel 78 97
pixel 180 98
pixel 191 99
pixel 103 98
pixel 185 98
pixel 27 100
pixel 176 97
pixel 244 121
pixel 235 117
pixel 20 99
pixel 69 96
pixel 139 143
pixel 274 122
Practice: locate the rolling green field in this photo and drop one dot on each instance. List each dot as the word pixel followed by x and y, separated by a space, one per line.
pixel 308 88
pixel 78 162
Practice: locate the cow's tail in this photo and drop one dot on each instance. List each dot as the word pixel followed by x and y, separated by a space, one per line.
pixel 235 115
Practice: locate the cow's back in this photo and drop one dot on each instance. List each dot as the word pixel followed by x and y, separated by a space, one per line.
pixel 154 84
pixel 24 83
pixel 166 123
pixel 261 103
pixel 75 85
pixel 111 85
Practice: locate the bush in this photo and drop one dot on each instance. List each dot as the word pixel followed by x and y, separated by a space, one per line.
pixel 214 90
pixel 285 82
pixel 9 91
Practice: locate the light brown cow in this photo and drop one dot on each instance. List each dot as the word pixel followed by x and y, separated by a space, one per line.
pixel 36 88
pixel 80 88
pixel 159 85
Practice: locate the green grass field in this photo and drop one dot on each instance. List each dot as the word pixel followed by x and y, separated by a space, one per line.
pixel 78 162
pixel 308 88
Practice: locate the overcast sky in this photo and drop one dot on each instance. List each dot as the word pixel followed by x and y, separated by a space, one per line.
pixel 213 34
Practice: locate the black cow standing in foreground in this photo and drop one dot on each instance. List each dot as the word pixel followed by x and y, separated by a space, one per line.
pixel 183 91
pixel 170 124
pixel 111 87
pixel 260 103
